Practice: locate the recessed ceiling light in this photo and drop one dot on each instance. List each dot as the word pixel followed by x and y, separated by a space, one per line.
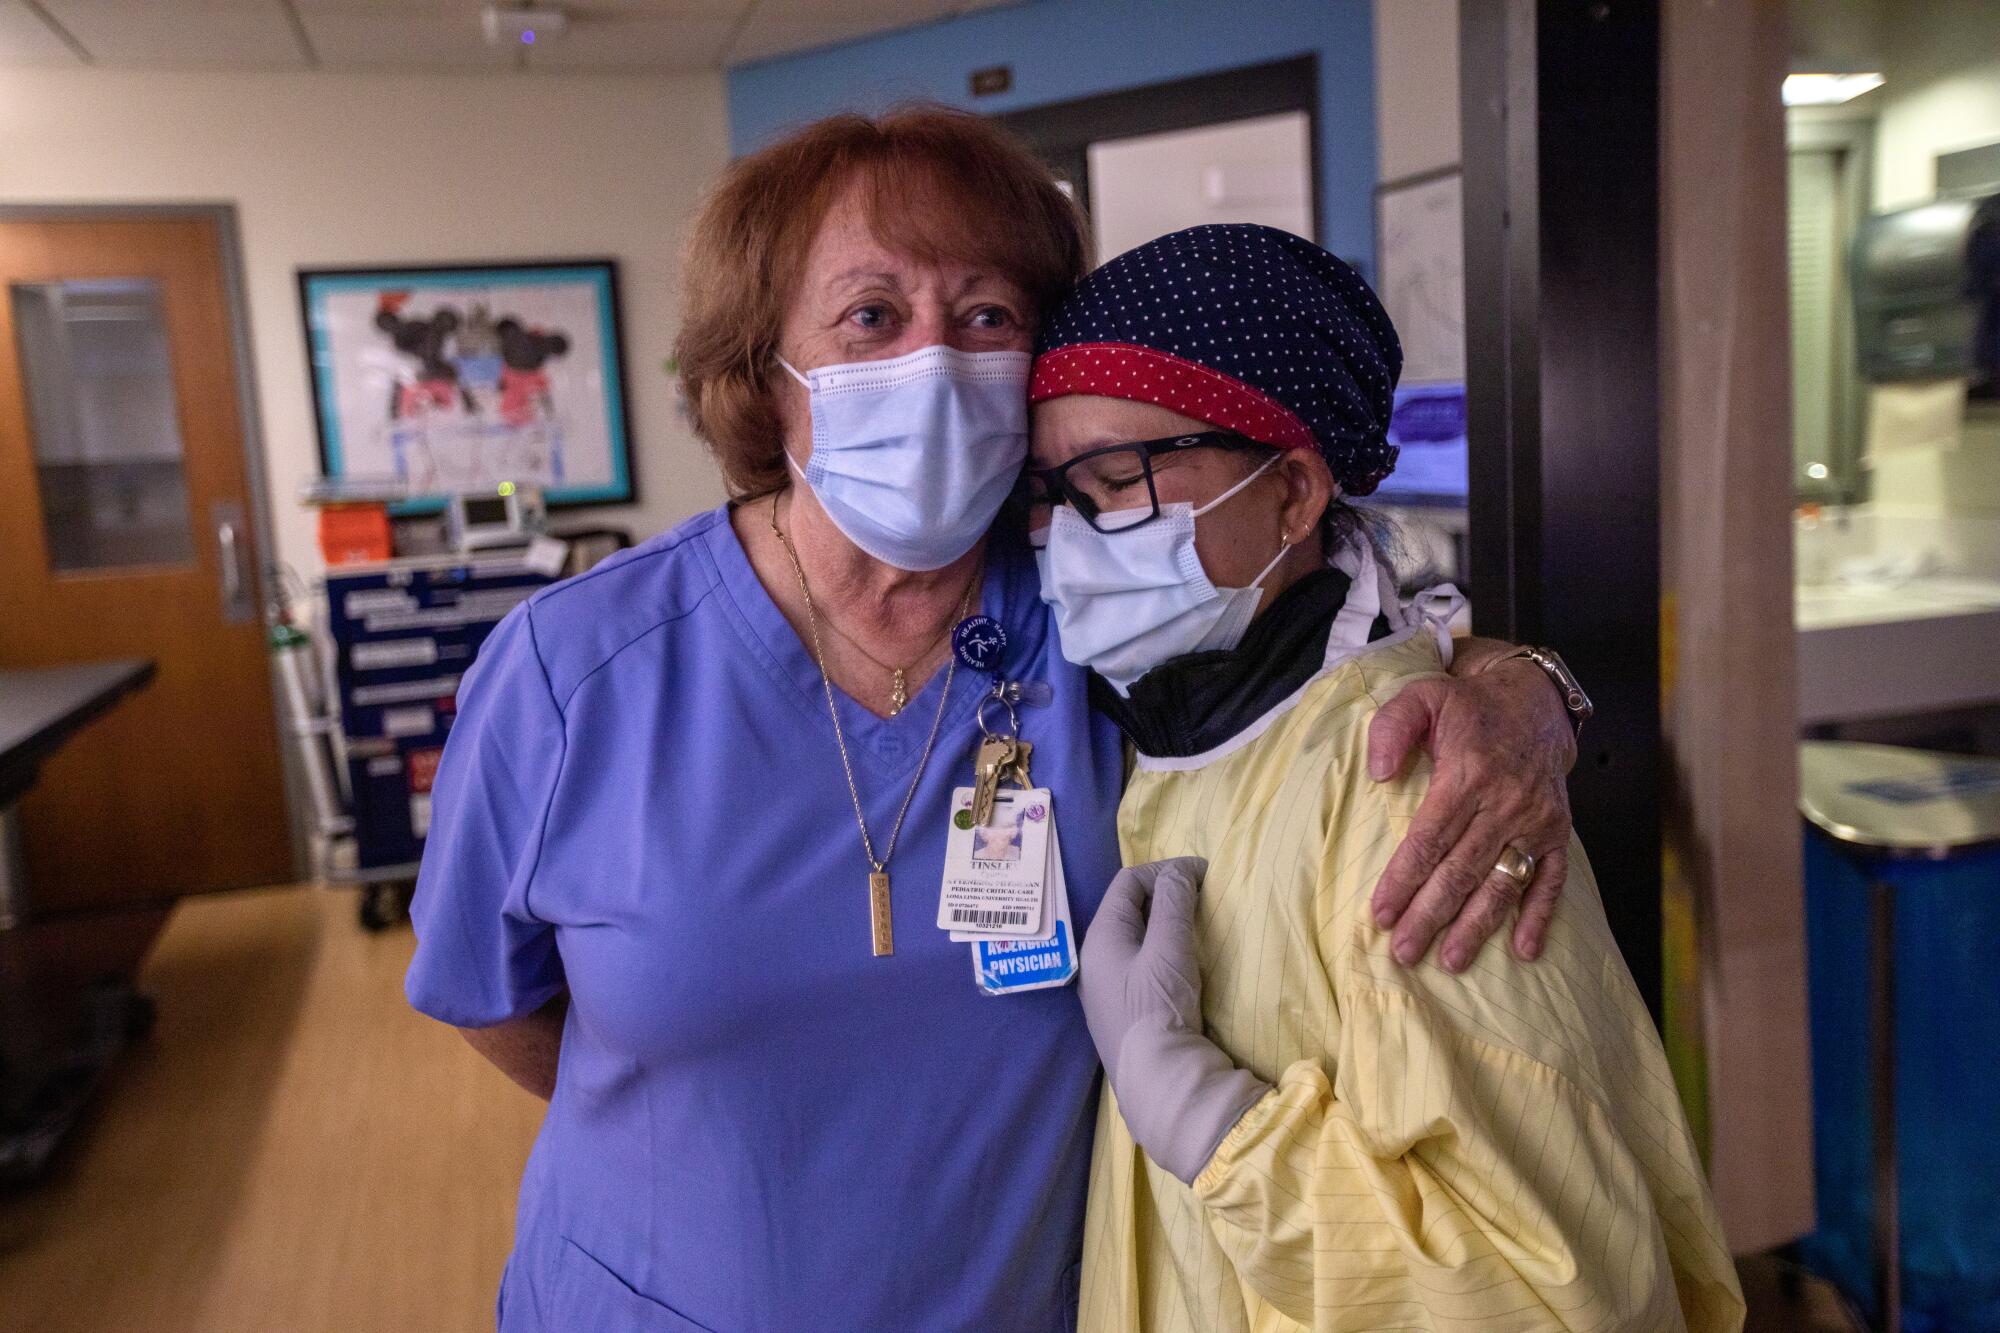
pixel 1828 89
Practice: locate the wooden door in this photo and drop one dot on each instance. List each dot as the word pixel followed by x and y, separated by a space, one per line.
pixel 123 532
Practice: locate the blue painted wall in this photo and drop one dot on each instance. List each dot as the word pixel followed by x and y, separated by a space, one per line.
pixel 1063 49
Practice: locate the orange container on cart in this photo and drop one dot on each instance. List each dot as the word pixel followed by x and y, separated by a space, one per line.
pixel 354 533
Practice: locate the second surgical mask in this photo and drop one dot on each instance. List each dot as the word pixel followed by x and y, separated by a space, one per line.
pixel 1127 601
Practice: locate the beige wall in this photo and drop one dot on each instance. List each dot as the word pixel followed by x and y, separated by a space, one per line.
pixel 1416 86
pixel 353 169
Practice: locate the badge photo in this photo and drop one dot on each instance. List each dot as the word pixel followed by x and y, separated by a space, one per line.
pixel 996 872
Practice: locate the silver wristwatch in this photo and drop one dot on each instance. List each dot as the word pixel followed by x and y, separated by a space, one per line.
pixel 1575 701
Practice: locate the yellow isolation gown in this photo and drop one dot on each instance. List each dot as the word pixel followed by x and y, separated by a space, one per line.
pixel 1497 1150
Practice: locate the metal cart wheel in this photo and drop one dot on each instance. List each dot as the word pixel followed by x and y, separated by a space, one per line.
pixel 385 903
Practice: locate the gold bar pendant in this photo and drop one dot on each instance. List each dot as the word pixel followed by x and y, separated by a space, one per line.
pixel 881 924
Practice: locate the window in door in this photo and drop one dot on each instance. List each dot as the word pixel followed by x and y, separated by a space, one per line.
pixel 106 425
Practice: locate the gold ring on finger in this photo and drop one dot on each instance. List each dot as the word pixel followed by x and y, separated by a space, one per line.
pixel 1516 865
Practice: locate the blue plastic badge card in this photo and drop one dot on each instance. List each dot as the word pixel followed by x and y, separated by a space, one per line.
pixel 1003 967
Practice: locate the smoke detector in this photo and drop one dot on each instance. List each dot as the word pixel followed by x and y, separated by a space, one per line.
pixel 524 26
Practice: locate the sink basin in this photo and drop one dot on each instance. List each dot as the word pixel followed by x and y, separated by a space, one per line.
pixel 1829 605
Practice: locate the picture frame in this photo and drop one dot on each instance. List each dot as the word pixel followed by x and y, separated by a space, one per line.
pixel 462 378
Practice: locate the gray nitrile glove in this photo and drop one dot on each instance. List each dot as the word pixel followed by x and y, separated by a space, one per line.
pixel 1141 989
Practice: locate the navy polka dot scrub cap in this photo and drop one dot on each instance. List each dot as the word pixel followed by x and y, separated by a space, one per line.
pixel 1248 328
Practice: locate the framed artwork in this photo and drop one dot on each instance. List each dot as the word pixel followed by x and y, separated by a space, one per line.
pixel 454 378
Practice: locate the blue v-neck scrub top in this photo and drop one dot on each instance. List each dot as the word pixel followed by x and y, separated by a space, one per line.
pixel 757 1125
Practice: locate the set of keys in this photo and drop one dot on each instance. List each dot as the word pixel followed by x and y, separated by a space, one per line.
pixel 999 759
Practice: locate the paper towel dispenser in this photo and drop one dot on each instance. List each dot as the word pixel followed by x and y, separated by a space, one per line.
pixel 1926 286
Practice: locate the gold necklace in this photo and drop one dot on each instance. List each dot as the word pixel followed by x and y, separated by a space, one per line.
pixel 881 923
pixel 899 693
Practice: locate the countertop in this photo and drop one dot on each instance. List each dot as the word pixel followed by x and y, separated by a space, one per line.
pixel 40 707
pixel 1882 650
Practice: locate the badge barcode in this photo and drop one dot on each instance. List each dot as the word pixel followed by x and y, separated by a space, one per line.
pixel 971 916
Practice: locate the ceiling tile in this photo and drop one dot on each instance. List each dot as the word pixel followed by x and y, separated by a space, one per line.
pixel 773 34
pixel 663 35
pixel 26 40
pixel 382 7
pixel 241 34
pixel 597 42
pixel 426 39
pixel 838 12
pixel 665 9
pixel 580 10
pixel 903 13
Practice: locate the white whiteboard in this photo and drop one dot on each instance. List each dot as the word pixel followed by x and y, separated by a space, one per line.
pixel 1421 248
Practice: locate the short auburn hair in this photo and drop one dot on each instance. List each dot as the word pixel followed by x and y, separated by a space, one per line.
pixel 936 184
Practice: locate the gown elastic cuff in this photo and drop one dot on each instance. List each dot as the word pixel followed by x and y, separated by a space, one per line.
pixel 1212 1177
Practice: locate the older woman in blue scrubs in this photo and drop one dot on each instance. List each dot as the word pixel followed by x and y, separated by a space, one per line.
pixel 690 828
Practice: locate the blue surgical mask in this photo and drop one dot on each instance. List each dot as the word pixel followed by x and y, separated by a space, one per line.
pixel 912 458
pixel 1127 601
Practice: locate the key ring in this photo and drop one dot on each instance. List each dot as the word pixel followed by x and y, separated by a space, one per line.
pixel 998 695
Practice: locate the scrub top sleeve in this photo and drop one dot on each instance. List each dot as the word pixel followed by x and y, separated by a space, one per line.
pixel 482 955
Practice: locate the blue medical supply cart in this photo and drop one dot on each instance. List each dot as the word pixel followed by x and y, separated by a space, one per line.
pixel 373 692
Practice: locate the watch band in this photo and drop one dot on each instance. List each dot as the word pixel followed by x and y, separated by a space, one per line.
pixel 1575 702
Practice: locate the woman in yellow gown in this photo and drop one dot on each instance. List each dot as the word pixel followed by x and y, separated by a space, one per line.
pixel 1299 1132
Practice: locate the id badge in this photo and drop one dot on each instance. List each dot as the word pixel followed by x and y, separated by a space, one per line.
pixel 1004 967
pixel 996 875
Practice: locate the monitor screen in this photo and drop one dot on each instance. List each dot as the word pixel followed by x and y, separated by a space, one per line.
pixel 1429 426
pixel 485 511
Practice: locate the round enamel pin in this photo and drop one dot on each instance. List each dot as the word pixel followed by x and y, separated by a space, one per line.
pixel 979 643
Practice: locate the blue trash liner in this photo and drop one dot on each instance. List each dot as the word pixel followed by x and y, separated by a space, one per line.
pixel 1947 1081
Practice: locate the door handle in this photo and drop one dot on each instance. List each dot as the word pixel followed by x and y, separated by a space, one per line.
pixel 232 568
pixel 238 607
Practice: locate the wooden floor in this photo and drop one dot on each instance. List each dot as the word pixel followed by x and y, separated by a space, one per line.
pixel 293 1150
pixel 296 1151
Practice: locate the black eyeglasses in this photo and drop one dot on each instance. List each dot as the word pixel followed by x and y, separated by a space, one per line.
pixel 1112 487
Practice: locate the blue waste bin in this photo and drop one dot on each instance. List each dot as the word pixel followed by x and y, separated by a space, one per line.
pixel 1903 907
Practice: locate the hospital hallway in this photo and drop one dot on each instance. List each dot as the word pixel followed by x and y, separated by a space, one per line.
pixel 234 1181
